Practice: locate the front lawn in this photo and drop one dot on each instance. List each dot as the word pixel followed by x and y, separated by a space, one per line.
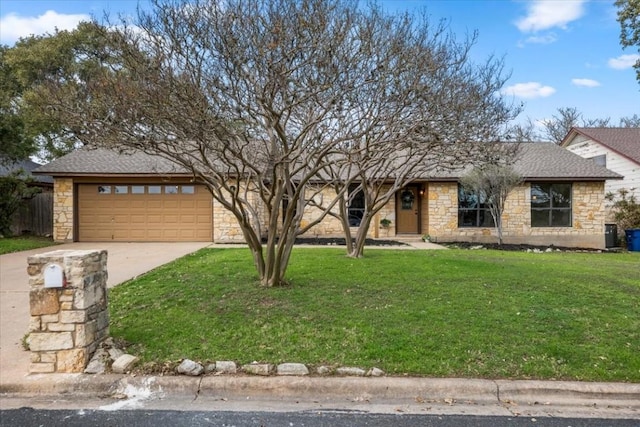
pixel 23 243
pixel 452 313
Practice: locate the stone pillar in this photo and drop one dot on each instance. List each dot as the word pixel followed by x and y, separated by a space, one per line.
pixel 67 323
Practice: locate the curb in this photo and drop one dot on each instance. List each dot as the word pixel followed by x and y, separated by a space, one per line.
pixel 478 391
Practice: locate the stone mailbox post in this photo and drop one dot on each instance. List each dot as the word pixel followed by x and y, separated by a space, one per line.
pixel 69 313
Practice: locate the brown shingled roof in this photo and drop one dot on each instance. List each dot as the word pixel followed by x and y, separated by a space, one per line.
pixel 537 161
pixel 624 141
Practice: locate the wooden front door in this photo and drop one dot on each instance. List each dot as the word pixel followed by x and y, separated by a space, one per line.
pixel 408 210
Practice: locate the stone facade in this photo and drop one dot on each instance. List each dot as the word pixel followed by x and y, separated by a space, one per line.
pixel 63 210
pixel 438 217
pixel 587 229
pixel 67 323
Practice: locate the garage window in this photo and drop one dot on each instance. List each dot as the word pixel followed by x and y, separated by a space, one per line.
pixel 104 189
pixel 170 189
pixel 137 189
pixel 187 189
pixel 122 189
pixel 154 189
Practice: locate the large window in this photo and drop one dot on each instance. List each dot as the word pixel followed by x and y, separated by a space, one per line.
pixel 550 205
pixel 472 210
pixel 356 205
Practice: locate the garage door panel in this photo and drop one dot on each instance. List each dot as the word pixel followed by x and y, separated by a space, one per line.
pixel 143 216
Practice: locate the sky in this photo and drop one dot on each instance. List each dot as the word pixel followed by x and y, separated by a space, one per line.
pixel 559 53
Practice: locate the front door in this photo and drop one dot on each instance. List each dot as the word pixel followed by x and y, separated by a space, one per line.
pixel 408 210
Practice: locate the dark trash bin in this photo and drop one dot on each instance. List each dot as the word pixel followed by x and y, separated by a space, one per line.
pixel 633 239
pixel 610 235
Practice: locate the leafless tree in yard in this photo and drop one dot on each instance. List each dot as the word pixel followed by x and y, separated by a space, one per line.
pixel 261 100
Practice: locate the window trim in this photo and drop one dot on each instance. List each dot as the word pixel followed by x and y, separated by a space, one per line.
pixel 551 209
pixel 481 207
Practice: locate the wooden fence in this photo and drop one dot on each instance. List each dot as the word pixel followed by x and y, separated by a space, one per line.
pixel 35 216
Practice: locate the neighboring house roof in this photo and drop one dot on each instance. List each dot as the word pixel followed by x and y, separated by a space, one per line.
pixel 624 141
pixel 537 161
pixel 27 166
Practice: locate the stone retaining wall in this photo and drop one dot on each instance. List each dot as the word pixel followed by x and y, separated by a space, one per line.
pixel 67 323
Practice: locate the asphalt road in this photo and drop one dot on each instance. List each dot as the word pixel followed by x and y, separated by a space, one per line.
pixel 28 417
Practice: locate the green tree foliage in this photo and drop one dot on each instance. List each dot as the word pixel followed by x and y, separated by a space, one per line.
pixel 28 70
pixel 14 143
pixel 14 188
pixel 626 209
pixel 629 19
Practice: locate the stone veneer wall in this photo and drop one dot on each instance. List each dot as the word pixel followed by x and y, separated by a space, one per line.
pixel 67 324
pixel 63 210
pixel 586 231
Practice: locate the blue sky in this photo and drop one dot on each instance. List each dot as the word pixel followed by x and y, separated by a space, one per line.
pixel 561 53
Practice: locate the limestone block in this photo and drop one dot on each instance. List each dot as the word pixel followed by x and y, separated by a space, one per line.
pixel 44 301
pixel 49 318
pixel 124 364
pixel 61 327
pixel 375 372
pixel 85 333
pixel 51 357
pixel 70 361
pixel 292 369
pixel 34 323
pixel 88 297
pixel 50 341
pixel 73 316
pixel 42 368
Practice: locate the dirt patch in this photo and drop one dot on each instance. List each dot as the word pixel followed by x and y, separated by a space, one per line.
pixel 517 248
pixel 340 241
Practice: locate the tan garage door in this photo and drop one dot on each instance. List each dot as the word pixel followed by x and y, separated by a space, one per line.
pixel 138 213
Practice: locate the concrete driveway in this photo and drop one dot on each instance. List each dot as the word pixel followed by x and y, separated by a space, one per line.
pixel 124 261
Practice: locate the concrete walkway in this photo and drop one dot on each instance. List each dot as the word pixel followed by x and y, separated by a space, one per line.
pixel 124 261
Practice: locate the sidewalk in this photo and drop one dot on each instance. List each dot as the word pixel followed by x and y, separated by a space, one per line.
pixel 244 392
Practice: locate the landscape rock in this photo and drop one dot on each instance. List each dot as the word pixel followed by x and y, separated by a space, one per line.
pixel 258 368
pixel 351 371
pixel 211 367
pixel 98 363
pixel 292 369
pixel 124 364
pixel 226 367
pixel 323 370
pixel 115 352
pixel 375 372
pixel 189 367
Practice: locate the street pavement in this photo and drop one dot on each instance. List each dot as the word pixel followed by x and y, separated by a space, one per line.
pixel 385 395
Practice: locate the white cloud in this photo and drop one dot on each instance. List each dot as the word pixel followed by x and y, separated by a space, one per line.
pixel 529 90
pixel 14 26
pixel 545 39
pixel 585 82
pixel 545 14
pixel 623 62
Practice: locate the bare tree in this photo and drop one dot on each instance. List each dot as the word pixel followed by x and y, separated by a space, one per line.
pixel 259 98
pixel 434 109
pixel 490 185
pixel 559 125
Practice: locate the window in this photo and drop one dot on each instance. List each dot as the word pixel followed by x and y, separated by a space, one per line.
pixel 121 189
pixel 356 205
pixel 472 210
pixel 187 189
pixel 104 189
pixel 137 189
pixel 154 189
pixel 170 189
pixel 600 160
pixel 550 205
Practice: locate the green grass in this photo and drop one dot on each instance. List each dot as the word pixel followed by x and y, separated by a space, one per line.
pixel 452 313
pixel 17 244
